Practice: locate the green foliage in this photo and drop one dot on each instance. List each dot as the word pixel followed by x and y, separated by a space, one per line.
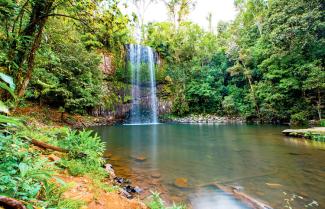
pixel 8 86
pixel 299 119
pixel 85 153
pixel 229 105
pixel 26 175
pixel 318 138
pixel 53 196
pixel 266 64
pixel 21 176
pixel 53 49
pixel 157 203
pixel 66 74
pixel 23 173
pixel 322 123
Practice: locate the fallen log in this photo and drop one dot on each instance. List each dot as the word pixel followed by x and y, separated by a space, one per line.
pixel 44 145
pixel 10 203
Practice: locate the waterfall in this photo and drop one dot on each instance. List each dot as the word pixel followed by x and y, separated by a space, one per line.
pixel 143 81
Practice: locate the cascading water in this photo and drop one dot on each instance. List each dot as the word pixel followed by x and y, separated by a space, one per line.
pixel 144 99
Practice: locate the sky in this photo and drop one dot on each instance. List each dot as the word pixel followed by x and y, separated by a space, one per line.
pixel 222 10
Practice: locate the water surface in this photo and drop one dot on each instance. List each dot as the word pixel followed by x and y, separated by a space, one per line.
pixel 258 159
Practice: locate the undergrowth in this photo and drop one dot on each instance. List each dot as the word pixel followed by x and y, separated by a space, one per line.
pixel 157 203
pixel 28 176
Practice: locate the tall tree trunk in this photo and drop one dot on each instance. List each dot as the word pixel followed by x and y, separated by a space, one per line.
pixel 319 105
pixel 31 60
pixel 37 21
pixel 248 77
pixel 257 109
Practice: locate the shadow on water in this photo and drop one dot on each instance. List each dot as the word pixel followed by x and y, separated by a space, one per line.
pixel 267 165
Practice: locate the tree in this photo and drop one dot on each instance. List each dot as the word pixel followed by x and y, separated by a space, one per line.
pixel 209 19
pixel 242 66
pixel 178 10
pixel 24 23
pixel 142 7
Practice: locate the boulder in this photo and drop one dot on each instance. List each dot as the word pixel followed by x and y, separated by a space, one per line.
pixel 140 158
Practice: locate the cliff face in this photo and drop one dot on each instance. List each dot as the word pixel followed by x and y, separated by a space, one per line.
pixel 122 111
pixel 106 64
pixel 116 101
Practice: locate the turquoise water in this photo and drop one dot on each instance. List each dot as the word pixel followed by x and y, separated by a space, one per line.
pixel 258 159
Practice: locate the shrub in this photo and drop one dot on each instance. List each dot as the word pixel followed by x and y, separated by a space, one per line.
pixel 157 203
pixel 322 123
pixel 85 152
pixel 299 119
pixel 22 173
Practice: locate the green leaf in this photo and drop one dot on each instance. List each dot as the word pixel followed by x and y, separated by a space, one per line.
pixel 23 168
pixel 60 181
pixel 11 121
pixel 3 108
pixel 6 87
pixel 8 79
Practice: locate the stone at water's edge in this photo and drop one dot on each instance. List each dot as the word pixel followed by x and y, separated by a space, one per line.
pixel 304 132
pixel 181 183
pixel 109 169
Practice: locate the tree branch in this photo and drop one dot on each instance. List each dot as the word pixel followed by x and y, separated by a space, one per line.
pixel 61 15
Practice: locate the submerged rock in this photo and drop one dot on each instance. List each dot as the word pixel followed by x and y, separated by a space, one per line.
pixel 139 158
pixel 274 185
pixel 181 183
pixel 155 175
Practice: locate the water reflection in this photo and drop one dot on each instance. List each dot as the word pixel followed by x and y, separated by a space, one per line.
pixel 256 158
pixel 209 198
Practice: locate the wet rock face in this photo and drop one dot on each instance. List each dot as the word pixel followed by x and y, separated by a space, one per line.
pixel 122 111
